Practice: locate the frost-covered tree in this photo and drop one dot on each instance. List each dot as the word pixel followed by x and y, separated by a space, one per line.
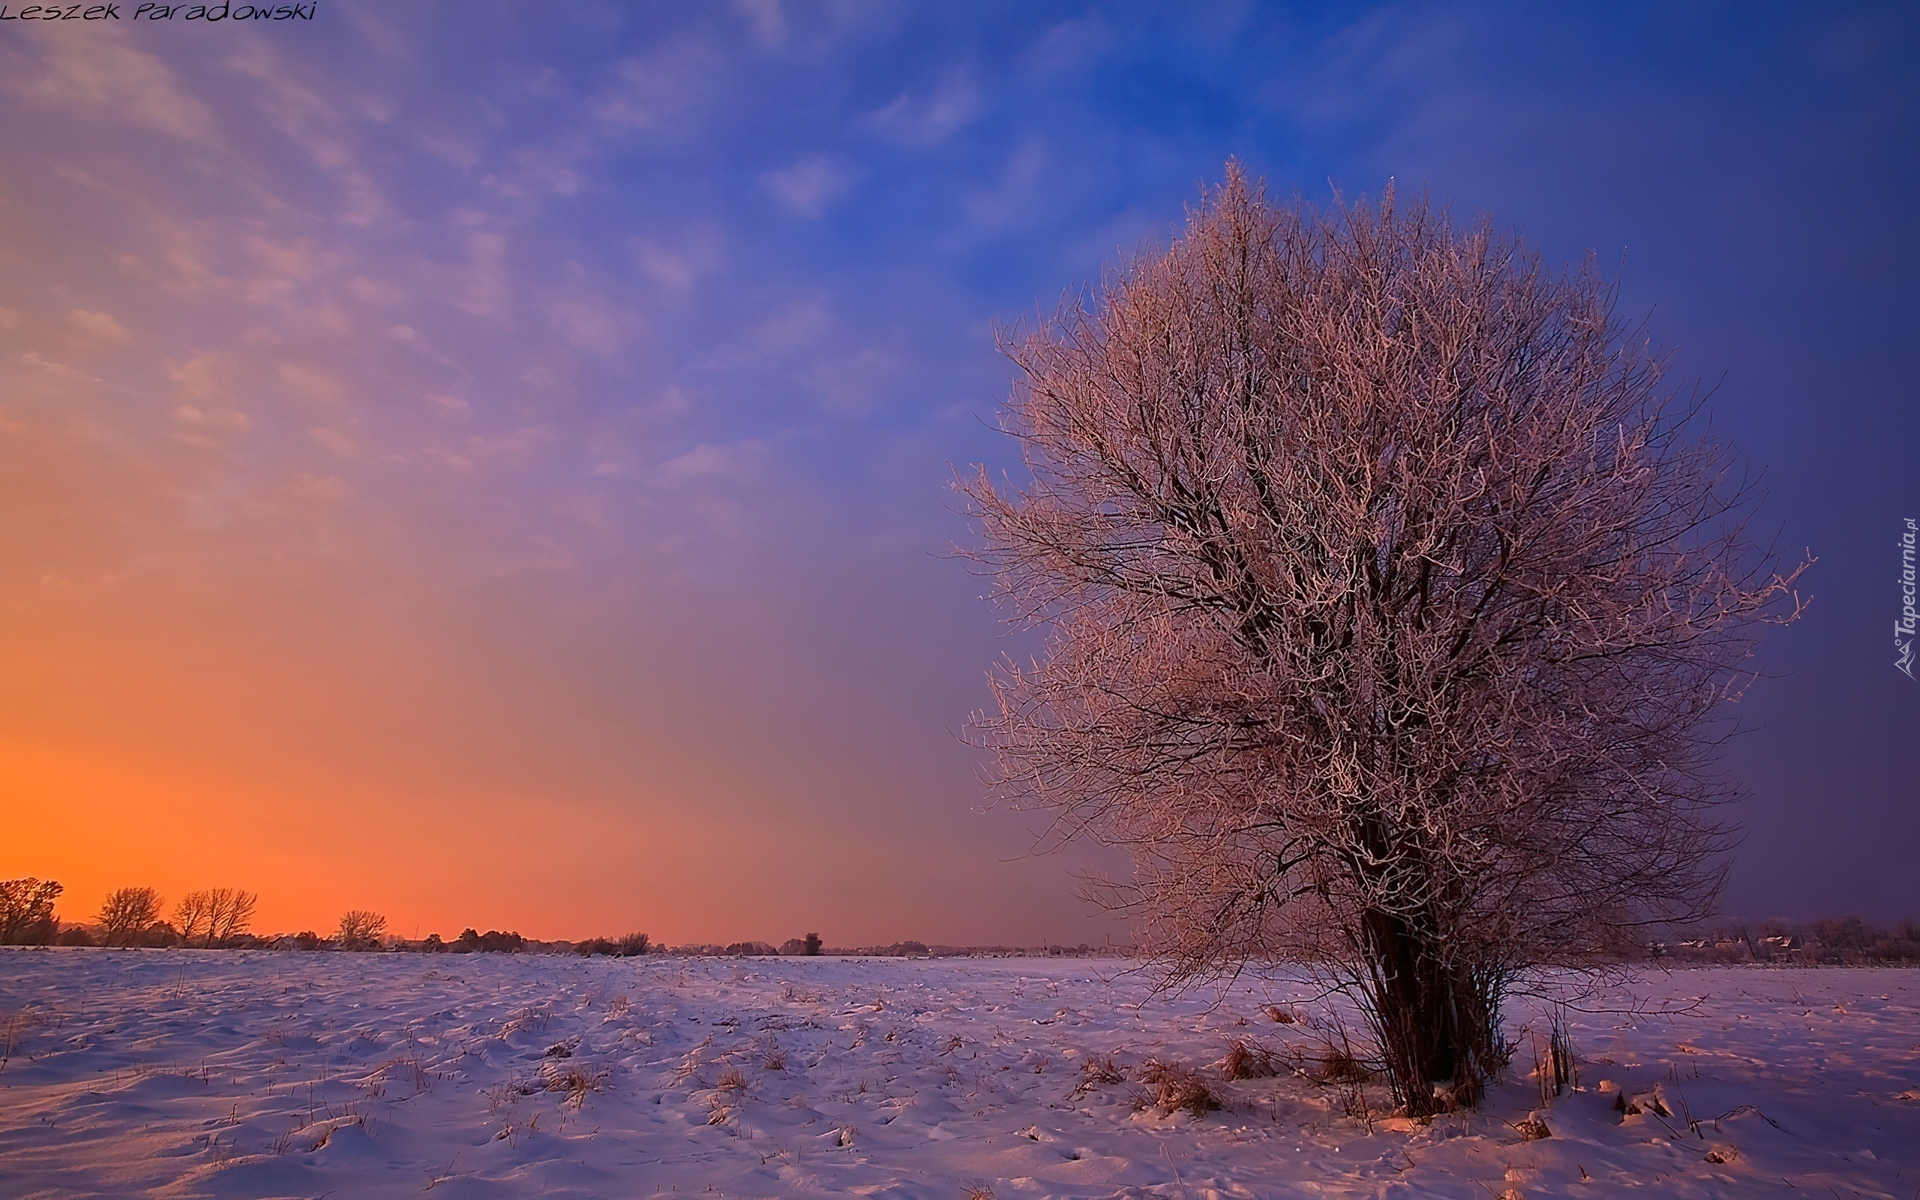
pixel 1391 599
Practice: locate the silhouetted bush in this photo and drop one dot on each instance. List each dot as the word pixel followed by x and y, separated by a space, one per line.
pixel 157 936
pixel 491 942
pixel 433 944
pixel 74 935
pixel 630 945
pixel 360 930
pixel 746 948
pixel 307 939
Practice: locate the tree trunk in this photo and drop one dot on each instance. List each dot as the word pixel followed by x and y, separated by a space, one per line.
pixel 1436 1019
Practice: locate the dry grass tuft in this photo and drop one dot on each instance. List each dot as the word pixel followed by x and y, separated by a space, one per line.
pixel 1279 1015
pixel 1554 1069
pixel 978 1191
pixel 1177 1087
pixel 1248 1061
pixel 1096 1072
pixel 13 1028
pixel 690 1062
pixel 408 1068
pixel 731 1080
pixel 1339 1065
pixel 576 1082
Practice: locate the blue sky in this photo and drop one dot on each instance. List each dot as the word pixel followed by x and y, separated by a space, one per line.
pixel 536 420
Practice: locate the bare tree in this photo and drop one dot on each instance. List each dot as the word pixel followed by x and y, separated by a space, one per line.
pixel 26 912
pixel 1391 598
pixel 216 915
pixel 127 913
pixel 193 916
pixel 361 930
pixel 232 914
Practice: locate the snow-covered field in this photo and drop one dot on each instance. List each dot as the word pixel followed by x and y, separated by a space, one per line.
pixel 257 1074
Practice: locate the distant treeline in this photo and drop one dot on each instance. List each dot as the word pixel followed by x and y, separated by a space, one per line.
pixel 1840 940
pixel 220 918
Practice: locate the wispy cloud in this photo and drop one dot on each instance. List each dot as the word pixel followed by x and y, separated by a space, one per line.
pixel 766 18
pixel 926 120
pixel 728 462
pixel 98 325
pixel 808 187
pixel 96 72
pixel 662 88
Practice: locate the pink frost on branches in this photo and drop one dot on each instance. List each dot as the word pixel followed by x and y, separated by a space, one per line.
pixel 1392 598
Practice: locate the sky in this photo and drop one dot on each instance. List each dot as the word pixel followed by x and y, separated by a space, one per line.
pixel 489 463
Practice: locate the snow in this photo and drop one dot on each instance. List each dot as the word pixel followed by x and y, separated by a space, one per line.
pixel 266 1074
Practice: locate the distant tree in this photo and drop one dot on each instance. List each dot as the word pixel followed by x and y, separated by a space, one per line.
pixel 1392 597
pixel 433 944
pixel 231 914
pixel 468 942
pixel 127 914
pixel 1845 934
pixel 26 912
pixel 193 916
pixel 811 945
pixel 360 929
pixel 1903 942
